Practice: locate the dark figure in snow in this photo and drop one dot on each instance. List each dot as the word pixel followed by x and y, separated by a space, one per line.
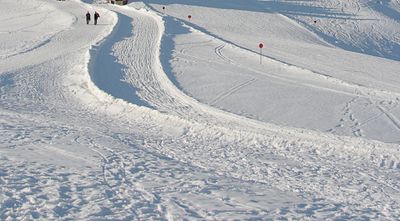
pixel 96 16
pixel 87 18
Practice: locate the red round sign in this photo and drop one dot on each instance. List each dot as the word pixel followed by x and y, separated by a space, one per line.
pixel 261 45
pixel 189 16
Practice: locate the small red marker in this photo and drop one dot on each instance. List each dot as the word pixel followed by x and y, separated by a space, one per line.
pixel 189 16
pixel 261 45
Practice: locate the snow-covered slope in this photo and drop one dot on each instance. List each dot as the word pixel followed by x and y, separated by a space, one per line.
pixel 127 120
pixel 214 59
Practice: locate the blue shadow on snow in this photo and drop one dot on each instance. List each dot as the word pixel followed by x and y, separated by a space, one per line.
pixel 283 7
pixel 106 72
pixel 173 27
pixel 291 8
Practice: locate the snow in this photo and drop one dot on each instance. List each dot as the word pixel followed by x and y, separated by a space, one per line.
pixel 151 116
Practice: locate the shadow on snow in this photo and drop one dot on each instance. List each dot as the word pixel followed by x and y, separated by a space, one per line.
pixel 292 8
pixel 105 70
pixel 288 7
pixel 173 27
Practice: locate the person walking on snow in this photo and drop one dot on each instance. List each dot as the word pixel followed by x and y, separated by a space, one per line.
pixel 96 16
pixel 87 17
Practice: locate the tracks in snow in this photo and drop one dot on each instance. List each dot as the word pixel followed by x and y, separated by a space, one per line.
pixel 217 135
pixel 193 161
pixel 219 51
pixel 231 91
pixel 303 77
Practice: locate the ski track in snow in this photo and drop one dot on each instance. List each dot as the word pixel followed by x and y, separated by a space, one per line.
pixel 72 151
pixel 232 90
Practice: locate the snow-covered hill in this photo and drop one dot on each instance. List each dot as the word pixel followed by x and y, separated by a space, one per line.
pixel 152 115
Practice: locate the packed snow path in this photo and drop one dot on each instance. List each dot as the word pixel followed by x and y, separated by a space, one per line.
pixel 72 151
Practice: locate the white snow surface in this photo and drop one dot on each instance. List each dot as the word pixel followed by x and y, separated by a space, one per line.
pixel 150 115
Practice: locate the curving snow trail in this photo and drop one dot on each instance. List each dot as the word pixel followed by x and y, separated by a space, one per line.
pixel 199 139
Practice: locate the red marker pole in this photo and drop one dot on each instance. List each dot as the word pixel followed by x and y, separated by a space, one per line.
pixel 163 8
pixel 189 17
pixel 261 45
